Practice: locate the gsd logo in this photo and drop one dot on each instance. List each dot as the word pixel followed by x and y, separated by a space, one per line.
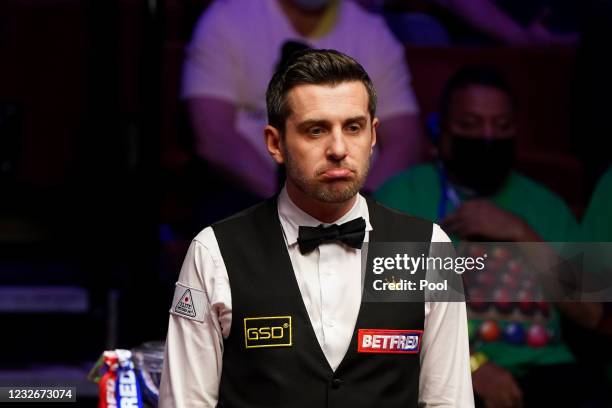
pixel 271 331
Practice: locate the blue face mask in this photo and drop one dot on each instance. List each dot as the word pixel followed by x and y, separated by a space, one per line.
pixel 312 4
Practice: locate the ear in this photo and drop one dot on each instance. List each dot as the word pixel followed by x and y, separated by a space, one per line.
pixel 375 124
pixel 274 144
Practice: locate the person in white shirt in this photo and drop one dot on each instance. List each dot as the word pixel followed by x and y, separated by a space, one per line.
pixel 235 48
pixel 263 317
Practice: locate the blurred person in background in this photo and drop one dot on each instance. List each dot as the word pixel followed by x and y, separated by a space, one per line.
pixel 508 22
pixel 235 48
pixel 474 192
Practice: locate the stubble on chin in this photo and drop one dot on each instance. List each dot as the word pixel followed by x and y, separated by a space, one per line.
pixel 331 192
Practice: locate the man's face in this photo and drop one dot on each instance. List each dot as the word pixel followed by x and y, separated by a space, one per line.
pixel 328 141
pixel 479 112
pixel 477 143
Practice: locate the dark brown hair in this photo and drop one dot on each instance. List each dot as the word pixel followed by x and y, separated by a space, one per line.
pixel 313 67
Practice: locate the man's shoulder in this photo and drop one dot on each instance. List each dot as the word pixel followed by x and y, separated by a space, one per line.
pixel 234 225
pixel 522 186
pixel 246 214
pixel 354 10
pixel 601 197
pixel 604 185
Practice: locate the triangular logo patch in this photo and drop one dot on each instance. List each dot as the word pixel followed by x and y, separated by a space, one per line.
pixel 185 305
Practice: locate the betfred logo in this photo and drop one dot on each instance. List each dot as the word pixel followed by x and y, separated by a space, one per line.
pixel 384 341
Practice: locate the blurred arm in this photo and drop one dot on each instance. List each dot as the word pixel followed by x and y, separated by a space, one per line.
pixel 220 144
pixel 486 17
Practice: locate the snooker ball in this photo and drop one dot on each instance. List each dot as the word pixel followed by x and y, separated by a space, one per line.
pixel 485 278
pixel 501 253
pixel 489 331
pixel 514 333
pixel 537 336
pixel 515 268
pixel 510 281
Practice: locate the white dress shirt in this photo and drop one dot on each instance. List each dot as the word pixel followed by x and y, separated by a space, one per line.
pixel 329 279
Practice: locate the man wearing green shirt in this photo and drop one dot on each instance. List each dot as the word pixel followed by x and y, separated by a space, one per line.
pixel 477 196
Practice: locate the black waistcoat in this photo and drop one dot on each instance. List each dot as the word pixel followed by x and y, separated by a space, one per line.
pixel 263 284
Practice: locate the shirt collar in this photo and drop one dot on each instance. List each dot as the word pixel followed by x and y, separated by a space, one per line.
pixel 291 216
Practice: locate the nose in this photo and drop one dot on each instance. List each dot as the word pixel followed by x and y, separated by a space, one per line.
pixel 337 148
pixel 489 131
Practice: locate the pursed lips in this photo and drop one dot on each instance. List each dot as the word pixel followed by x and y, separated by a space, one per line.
pixel 337 173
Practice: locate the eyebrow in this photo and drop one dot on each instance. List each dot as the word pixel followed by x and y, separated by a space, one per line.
pixel 312 122
pixel 362 119
pixel 323 122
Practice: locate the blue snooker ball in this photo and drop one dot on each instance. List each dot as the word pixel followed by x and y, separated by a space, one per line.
pixel 514 333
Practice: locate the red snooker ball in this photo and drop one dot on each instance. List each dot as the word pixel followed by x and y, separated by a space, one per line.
pixel 537 336
pixel 489 331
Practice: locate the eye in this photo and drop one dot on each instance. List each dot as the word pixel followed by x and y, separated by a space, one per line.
pixel 504 125
pixel 316 131
pixel 353 128
pixel 467 124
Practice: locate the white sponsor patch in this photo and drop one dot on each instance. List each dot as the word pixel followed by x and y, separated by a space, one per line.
pixel 189 303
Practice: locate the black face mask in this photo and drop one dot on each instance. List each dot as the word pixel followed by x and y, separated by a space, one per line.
pixel 481 165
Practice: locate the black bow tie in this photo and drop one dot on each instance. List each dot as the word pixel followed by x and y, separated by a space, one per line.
pixel 350 233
